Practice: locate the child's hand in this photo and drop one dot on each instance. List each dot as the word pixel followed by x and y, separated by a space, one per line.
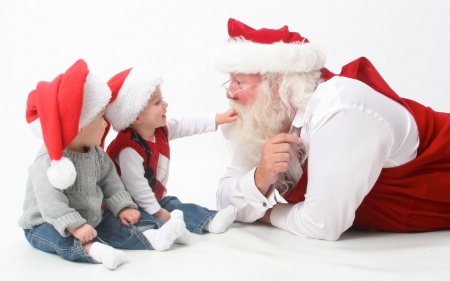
pixel 129 215
pixel 162 214
pixel 83 233
pixel 226 117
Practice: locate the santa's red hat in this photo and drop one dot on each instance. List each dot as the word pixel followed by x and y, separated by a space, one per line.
pixel 58 110
pixel 131 90
pixel 252 51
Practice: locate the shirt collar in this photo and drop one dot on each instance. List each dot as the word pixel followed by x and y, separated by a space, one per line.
pixel 298 119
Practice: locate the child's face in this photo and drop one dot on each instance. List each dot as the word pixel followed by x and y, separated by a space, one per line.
pixel 154 114
pixel 92 134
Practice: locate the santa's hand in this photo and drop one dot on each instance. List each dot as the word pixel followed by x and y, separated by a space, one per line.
pixel 276 155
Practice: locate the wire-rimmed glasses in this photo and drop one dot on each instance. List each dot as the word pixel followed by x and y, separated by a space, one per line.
pixel 224 85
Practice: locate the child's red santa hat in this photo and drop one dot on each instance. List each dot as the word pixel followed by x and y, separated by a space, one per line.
pixel 252 51
pixel 131 90
pixel 58 110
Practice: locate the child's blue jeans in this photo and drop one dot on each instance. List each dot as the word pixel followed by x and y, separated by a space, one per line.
pixel 195 216
pixel 110 231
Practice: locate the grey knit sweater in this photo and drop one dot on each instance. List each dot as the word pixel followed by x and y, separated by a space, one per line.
pixel 97 181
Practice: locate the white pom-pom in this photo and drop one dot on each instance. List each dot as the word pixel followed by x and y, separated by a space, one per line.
pixel 61 173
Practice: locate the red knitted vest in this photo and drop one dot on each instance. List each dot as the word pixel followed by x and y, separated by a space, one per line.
pixel 156 156
pixel 416 195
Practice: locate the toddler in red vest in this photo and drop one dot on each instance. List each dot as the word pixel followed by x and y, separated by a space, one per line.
pixel 141 150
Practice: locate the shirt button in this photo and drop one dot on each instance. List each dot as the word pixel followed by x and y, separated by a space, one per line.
pixel 94 218
pixel 264 204
pixel 90 178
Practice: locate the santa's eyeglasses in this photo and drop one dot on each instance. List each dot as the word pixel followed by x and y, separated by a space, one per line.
pixel 227 86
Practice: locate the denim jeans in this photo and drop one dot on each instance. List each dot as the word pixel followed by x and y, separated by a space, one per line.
pixel 110 231
pixel 195 216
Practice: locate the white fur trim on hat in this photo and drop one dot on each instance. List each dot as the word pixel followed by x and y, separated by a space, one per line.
pixel 35 127
pixel 133 96
pixel 242 56
pixel 96 96
pixel 61 173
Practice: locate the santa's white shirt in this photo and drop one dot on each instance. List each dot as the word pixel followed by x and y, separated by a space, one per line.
pixel 351 132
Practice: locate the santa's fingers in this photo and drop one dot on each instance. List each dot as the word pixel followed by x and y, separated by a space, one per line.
pixel 277 157
pixel 279 148
pixel 285 138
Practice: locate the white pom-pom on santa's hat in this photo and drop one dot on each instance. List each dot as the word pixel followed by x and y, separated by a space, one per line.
pixel 58 110
pixel 131 90
pixel 252 51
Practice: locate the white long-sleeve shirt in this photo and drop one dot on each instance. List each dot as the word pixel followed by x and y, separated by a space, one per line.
pixel 351 133
pixel 131 163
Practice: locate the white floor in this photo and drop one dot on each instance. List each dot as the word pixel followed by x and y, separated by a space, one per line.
pixel 251 252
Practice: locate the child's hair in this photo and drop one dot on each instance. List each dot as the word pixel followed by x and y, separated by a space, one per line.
pixel 131 91
pixel 58 110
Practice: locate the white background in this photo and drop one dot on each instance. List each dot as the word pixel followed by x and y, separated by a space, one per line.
pixel 407 41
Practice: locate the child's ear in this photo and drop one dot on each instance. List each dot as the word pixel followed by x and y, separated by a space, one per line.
pixel 137 121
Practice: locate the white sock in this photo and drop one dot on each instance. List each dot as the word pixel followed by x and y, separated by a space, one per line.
pixel 107 255
pixel 185 235
pixel 161 239
pixel 177 214
pixel 221 220
pixel 183 238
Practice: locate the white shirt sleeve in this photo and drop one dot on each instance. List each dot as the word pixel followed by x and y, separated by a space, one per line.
pixel 132 175
pixel 191 125
pixel 237 187
pixel 346 156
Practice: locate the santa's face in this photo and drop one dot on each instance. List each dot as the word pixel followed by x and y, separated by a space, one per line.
pixel 264 111
pixel 243 87
pixel 260 116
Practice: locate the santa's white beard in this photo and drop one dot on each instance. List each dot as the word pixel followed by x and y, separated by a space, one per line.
pixel 258 123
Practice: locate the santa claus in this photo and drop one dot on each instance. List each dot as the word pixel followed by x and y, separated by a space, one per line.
pixel 342 149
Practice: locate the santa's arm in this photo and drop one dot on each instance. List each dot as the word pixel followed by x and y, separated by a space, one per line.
pixel 237 187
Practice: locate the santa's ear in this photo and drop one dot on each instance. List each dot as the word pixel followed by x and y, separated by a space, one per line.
pixel 275 91
pixel 273 79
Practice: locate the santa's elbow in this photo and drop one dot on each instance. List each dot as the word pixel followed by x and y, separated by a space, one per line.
pixel 333 236
pixel 327 233
pixel 327 236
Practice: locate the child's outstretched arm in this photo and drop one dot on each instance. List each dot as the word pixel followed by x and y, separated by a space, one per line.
pixel 226 117
pixel 196 124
